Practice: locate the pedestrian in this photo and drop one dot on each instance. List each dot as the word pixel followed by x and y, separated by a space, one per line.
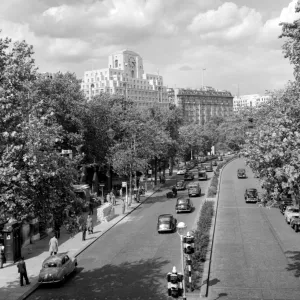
pixel 23 272
pixel 2 256
pixel 159 178
pixel 123 206
pixel 91 208
pixel 121 192
pixel 111 196
pixel 53 245
pixel 89 224
pixel 84 229
pixel 108 198
pixel 57 229
pixel 113 199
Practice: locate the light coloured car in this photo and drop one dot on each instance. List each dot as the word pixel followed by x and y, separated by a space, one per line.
pixel 194 189
pixel 56 268
pixel 181 172
pixel 290 212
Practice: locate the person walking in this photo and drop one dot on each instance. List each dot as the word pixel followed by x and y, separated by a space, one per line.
pixel 91 208
pixel 89 224
pixel 57 229
pixel 23 272
pixel 2 256
pixel 84 229
pixel 113 199
pixel 53 245
pixel 108 197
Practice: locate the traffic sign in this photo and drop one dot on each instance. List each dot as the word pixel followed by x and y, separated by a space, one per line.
pixel 101 184
pixel 124 184
pixel 149 172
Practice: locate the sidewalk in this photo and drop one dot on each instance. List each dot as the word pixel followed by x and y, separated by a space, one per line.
pixel 36 253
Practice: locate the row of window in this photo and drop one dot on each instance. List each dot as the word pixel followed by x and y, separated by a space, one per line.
pixel 121 79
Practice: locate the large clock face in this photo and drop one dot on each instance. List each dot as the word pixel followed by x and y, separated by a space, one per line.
pixel 131 62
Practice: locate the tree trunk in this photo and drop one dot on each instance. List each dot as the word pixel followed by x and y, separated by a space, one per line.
pixel 164 169
pixel 130 185
pixel 171 164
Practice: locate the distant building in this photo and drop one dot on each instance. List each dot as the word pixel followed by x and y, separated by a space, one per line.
pixel 125 76
pixel 199 105
pixel 248 101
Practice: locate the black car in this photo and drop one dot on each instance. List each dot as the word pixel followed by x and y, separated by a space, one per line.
pixel 166 223
pixel 202 175
pixel 214 163
pixel 209 167
pixel 241 173
pixel 181 185
pixel 189 176
pixel 251 195
pixel 183 205
pixel 295 223
pixel 284 204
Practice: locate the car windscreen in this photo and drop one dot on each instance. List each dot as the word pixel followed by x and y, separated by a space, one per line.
pixel 51 265
pixel 182 201
pixel 164 220
pixel 252 193
pixel 193 186
pixel 241 170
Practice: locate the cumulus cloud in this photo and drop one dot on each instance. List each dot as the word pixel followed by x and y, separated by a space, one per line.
pixel 185 68
pixel 228 22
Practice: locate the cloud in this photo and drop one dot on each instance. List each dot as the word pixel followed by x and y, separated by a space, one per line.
pixel 185 68
pixel 228 22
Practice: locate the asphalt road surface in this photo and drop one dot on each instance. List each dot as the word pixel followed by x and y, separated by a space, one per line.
pixel 255 254
pixel 132 260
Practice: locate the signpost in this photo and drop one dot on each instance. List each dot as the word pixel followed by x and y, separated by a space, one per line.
pixel 102 186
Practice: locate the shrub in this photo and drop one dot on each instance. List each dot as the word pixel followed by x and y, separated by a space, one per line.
pixel 214 181
pixel 212 191
pixel 201 235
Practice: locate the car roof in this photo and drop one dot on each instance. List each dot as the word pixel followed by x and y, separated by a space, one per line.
pixel 55 258
pixel 241 169
pixel 165 216
pixel 185 199
pixel 251 190
pixel 202 171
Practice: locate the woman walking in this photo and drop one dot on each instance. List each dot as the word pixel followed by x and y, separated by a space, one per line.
pixel 89 224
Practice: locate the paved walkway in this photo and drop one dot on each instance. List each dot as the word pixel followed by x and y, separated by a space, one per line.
pixel 255 253
pixel 36 253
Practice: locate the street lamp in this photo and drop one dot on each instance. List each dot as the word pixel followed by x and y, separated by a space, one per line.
pixel 110 133
pixel 182 230
pixel 202 77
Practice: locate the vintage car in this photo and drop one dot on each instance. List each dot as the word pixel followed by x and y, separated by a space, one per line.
pixel 295 223
pixel 220 158
pixel 208 167
pixel 56 268
pixel 241 173
pixel 214 163
pixel 251 195
pixel 183 205
pixel 202 175
pixel 181 172
pixel 189 176
pixel 194 189
pixel 290 212
pixel 181 185
pixel 166 223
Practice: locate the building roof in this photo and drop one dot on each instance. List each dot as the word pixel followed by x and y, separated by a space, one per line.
pixel 127 52
pixel 204 92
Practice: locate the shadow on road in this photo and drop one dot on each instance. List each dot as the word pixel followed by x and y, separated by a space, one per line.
pixel 294 256
pixel 140 279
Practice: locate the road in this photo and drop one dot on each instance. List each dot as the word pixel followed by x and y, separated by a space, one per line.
pixel 255 253
pixel 130 261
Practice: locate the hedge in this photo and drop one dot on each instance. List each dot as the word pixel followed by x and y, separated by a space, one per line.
pixel 201 235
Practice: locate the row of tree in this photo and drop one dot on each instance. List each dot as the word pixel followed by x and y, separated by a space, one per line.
pixel 42 115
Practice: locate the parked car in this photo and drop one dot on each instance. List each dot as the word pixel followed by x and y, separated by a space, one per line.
pixel 283 205
pixel 189 176
pixel 166 223
pixel 208 167
pixel 214 163
pixel 295 223
pixel 56 268
pixel 202 175
pixel 290 212
pixel 241 173
pixel 183 205
pixel 181 185
pixel 181 172
pixel 194 189
pixel 220 158
pixel 251 195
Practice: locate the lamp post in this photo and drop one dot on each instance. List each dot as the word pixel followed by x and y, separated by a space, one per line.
pixel 181 230
pixel 202 77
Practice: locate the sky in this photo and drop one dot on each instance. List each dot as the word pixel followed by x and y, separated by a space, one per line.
pixel 236 42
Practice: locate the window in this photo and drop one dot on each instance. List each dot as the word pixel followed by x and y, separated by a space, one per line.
pixel 116 63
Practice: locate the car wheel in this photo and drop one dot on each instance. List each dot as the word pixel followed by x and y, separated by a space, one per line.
pixel 296 228
pixel 76 264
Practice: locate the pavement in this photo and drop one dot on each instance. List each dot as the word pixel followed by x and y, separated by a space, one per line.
pixel 35 254
pixel 255 253
pixel 132 261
